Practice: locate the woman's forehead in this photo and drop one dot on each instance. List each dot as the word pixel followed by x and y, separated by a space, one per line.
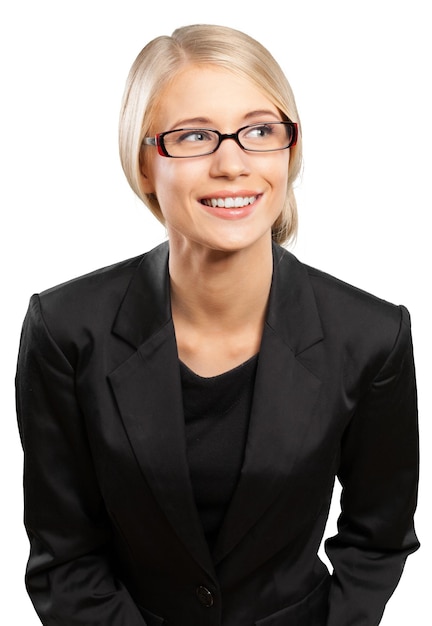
pixel 201 95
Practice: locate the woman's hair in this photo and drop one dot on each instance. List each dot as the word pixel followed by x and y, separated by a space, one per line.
pixel 160 62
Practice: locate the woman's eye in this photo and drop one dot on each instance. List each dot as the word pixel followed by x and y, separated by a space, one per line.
pixel 258 132
pixel 194 137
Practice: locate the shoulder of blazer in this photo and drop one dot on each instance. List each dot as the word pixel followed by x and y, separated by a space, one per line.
pixel 364 330
pixel 335 299
pixel 355 324
pixel 89 304
pixel 354 309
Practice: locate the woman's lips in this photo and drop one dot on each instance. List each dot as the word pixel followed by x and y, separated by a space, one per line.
pixel 230 207
pixel 229 202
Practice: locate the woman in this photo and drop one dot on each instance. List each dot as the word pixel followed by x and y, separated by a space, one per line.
pixel 184 414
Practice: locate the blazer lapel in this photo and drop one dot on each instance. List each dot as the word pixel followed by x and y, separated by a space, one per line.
pixel 285 395
pixel 147 388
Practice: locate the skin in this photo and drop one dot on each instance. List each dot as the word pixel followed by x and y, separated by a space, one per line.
pixel 220 258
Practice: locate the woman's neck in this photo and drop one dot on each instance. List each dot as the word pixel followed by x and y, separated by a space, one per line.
pixel 219 301
pixel 212 287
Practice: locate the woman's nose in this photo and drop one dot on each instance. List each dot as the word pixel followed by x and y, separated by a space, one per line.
pixel 229 160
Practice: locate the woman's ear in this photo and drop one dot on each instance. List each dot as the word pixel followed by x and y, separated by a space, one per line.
pixel 146 185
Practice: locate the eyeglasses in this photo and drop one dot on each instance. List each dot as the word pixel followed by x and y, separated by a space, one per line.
pixel 184 143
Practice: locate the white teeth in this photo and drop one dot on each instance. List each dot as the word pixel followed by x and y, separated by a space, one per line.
pixel 229 203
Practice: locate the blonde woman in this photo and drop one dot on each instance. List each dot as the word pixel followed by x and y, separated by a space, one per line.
pixel 184 414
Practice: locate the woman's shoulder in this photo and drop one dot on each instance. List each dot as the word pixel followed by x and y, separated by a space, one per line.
pixel 351 317
pixel 339 297
pixel 363 325
pixel 330 290
pixel 87 290
pixel 104 283
pixel 88 304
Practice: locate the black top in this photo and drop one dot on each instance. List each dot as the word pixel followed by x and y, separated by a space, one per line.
pixel 216 411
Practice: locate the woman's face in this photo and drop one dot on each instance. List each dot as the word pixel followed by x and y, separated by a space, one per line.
pixel 210 97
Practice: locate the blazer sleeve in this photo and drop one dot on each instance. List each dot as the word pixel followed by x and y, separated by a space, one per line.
pixel 69 577
pixel 379 475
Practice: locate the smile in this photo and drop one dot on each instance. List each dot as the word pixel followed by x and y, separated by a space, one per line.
pixel 229 203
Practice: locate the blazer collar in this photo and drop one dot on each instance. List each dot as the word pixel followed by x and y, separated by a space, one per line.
pixel 292 311
pixel 146 306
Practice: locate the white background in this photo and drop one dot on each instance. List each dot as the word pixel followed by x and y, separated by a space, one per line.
pixel 361 75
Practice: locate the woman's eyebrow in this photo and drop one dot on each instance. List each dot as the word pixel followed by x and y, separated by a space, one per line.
pixel 192 121
pixel 261 113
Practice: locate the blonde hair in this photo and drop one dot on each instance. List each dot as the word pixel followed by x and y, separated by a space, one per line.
pixel 160 62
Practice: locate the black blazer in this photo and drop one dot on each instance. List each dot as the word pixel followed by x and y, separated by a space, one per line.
pixel 109 508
